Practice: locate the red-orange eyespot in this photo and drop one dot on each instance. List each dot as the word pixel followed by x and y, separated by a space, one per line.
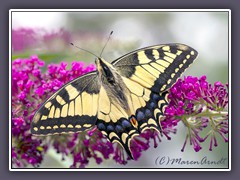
pixel 134 122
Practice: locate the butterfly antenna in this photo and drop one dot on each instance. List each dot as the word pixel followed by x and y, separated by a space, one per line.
pixel 106 43
pixel 84 50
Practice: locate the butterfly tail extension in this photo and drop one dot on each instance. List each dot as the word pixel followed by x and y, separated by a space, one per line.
pixel 122 132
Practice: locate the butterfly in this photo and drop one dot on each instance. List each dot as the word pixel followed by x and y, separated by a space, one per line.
pixel 122 99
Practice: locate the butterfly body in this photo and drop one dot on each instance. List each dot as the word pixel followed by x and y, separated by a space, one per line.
pixel 112 83
pixel 122 98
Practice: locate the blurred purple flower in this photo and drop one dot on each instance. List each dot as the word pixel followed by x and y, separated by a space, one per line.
pixel 23 38
pixel 59 34
pixel 30 39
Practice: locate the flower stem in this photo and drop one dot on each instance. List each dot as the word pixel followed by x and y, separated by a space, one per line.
pixel 211 113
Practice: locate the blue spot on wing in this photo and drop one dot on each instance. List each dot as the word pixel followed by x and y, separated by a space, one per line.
pixel 140 116
pixel 126 124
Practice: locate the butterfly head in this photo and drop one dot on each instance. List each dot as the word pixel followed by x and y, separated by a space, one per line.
pixel 105 70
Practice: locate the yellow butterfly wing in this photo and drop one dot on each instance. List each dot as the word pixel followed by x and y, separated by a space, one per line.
pixel 157 67
pixel 72 108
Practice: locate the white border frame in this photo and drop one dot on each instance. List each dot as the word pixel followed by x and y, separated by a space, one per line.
pixel 122 10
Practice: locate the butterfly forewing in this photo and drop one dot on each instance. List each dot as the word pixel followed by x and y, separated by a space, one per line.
pixel 73 108
pixel 157 67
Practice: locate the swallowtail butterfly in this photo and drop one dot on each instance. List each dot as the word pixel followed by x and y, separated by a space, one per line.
pixel 122 98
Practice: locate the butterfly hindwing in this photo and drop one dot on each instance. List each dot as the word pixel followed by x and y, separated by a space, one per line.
pixel 147 106
pixel 157 67
pixel 113 121
pixel 120 125
pixel 72 108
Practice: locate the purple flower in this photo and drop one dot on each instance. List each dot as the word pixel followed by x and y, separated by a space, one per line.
pixel 198 105
pixel 30 87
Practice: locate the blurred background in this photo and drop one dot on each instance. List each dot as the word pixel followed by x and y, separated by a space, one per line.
pixel 49 34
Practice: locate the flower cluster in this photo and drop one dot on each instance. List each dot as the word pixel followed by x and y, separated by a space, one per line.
pixel 198 105
pixel 30 86
pixel 193 101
